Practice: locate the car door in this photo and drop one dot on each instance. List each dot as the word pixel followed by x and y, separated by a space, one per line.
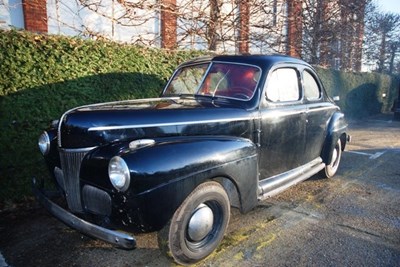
pixel 282 122
pixel 319 110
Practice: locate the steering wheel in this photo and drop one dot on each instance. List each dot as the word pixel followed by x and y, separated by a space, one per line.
pixel 241 92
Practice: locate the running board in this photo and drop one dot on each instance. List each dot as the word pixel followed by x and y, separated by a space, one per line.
pixel 276 184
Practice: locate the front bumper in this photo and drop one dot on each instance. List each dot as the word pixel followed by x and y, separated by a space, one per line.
pixel 114 237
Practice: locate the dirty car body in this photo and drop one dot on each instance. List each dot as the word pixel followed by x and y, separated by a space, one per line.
pixel 225 131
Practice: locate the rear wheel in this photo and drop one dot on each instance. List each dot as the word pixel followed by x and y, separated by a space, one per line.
pixel 198 225
pixel 332 167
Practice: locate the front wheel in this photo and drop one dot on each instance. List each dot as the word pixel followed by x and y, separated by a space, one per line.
pixel 197 226
pixel 332 167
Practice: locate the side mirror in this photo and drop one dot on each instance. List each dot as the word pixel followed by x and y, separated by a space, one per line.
pixel 336 98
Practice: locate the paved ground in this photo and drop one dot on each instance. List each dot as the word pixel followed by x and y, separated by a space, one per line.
pixel 351 220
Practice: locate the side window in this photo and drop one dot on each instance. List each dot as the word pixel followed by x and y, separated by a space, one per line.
pixel 283 85
pixel 311 88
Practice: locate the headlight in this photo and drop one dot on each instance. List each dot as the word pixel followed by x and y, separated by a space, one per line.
pixel 118 173
pixel 44 143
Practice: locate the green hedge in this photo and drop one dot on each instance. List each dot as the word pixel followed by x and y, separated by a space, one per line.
pixel 361 94
pixel 42 76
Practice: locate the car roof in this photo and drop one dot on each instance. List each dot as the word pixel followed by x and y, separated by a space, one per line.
pixel 261 61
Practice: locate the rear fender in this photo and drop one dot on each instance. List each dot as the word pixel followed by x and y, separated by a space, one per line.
pixel 336 130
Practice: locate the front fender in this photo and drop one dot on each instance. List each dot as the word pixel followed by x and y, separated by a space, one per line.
pixel 164 174
pixel 337 128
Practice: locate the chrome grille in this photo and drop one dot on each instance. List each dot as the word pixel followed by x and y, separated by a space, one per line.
pixel 71 164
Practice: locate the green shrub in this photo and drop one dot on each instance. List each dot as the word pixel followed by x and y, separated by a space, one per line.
pixel 361 94
pixel 42 76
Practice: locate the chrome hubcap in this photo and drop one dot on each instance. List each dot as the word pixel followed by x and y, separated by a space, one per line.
pixel 201 223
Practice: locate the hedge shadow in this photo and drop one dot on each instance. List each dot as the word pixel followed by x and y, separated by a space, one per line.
pixel 26 113
pixel 362 101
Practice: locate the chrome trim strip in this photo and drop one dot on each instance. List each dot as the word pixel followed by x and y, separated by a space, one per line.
pixel 295 181
pixel 276 113
pixel 77 150
pixel 114 237
pixel 104 128
pixel 272 185
pixel 319 109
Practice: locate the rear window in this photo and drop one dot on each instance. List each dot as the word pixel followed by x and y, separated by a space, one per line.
pixel 311 88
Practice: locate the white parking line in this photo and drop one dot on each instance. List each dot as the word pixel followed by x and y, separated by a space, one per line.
pixel 389 121
pixel 370 155
pixel 377 155
pixel 360 153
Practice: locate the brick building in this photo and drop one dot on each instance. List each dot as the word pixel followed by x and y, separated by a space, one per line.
pixel 247 26
pixel 35 15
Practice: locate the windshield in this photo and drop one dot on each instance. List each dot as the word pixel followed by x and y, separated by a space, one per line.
pixel 217 80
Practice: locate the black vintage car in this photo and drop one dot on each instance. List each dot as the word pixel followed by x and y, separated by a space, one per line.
pixel 226 131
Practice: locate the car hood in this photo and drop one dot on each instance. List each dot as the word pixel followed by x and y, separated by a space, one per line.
pixel 100 124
